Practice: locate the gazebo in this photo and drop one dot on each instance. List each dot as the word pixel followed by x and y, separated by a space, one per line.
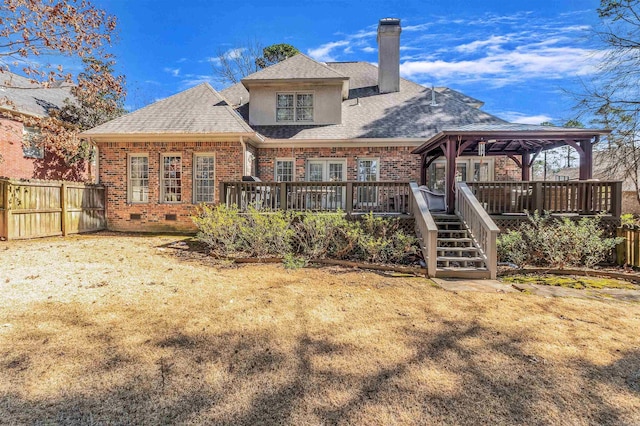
pixel 521 143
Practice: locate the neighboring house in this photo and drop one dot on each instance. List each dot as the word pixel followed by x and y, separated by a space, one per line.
pixel 298 120
pixel 604 170
pixel 23 157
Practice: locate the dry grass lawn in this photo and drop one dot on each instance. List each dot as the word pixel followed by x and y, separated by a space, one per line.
pixel 117 329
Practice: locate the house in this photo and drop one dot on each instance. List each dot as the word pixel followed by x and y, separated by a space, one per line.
pixel 22 154
pixel 340 135
pixel 298 120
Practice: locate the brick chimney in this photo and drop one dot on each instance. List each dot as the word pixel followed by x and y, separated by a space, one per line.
pixel 389 55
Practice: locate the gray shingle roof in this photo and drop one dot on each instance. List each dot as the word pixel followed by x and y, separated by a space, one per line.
pixel 20 94
pixel 368 114
pixel 199 110
pixel 299 66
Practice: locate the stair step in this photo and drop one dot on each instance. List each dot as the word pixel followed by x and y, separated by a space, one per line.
pixel 445 217
pixel 454 240
pixel 453 231
pixel 459 259
pixel 458 224
pixel 468 273
pixel 467 249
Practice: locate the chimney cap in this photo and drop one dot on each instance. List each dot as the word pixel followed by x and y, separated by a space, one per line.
pixel 390 21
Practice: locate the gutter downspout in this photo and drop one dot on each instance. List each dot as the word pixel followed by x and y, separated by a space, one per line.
pixel 244 156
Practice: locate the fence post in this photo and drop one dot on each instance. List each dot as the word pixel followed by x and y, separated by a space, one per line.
pixel 537 198
pixel 7 209
pixel 63 205
pixel 349 206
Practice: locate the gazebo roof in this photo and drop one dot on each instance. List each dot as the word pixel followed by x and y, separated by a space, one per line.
pixel 508 138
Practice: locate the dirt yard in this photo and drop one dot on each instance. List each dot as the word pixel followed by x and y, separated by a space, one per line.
pixel 117 329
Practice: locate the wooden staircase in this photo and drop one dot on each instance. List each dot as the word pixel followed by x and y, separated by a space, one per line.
pixel 458 254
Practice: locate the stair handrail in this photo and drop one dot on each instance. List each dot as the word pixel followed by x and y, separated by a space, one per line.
pixel 427 228
pixel 482 227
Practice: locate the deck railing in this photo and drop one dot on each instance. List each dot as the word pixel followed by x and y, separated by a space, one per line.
pixel 350 197
pixel 482 227
pixel 427 228
pixel 578 197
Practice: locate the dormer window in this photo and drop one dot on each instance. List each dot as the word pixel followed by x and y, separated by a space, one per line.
pixel 294 107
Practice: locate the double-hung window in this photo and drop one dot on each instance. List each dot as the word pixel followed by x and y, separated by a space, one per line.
pixel 138 178
pixel 32 146
pixel 294 107
pixel 203 178
pixel 171 178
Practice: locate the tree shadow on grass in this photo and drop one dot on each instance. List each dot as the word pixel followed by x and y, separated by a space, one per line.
pixel 451 371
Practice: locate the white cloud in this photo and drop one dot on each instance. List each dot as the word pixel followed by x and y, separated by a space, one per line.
pixel 492 42
pixel 368 49
pixel 173 71
pixel 191 80
pixel 323 53
pixel 517 117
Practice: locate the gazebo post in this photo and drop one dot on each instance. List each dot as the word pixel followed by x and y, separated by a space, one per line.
pixel 526 166
pixel 423 169
pixel 450 154
pixel 586 160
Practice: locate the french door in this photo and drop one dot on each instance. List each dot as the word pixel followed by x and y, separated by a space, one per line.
pixel 326 196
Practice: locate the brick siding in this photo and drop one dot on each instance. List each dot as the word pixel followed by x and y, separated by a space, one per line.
pixel 113 174
pixel 396 163
pixel 15 165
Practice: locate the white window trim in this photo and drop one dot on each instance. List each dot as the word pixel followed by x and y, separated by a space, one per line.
pixel 295 106
pixel 377 159
pixel 194 180
pixel 129 189
pixel 275 168
pixel 327 160
pixel 161 177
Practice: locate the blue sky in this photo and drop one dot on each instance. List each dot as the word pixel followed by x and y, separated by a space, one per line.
pixel 516 56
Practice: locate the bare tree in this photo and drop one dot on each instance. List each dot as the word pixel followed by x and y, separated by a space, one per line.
pixel 30 30
pixel 230 66
pixel 612 98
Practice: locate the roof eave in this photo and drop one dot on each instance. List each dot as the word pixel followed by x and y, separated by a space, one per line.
pixel 169 137
pixel 512 134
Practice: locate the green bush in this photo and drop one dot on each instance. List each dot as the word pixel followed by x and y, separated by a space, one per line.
pixel 264 234
pixel 547 241
pixel 219 228
pixel 512 247
pixel 303 235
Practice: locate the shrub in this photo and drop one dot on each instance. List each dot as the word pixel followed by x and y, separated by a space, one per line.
pixel 321 235
pixel 381 240
pixel 265 234
pixel 546 241
pixel 219 228
pixel 290 261
pixel 297 237
pixel 512 247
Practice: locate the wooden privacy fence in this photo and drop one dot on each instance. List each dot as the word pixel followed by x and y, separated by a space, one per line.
pixel 30 209
pixel 628 251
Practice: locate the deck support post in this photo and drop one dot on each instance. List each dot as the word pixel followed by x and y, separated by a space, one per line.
pixel 450 180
